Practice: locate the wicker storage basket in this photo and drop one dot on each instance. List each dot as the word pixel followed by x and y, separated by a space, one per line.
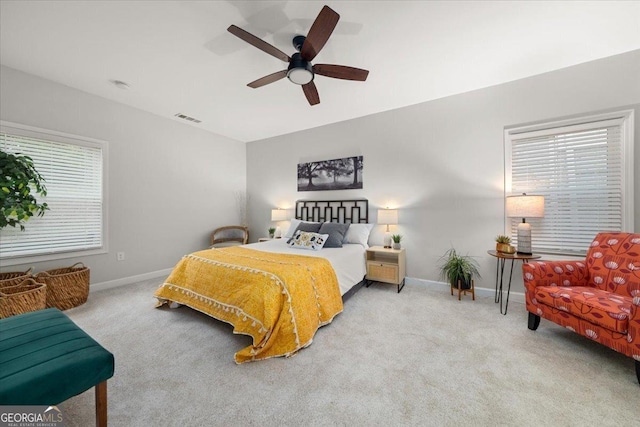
pixel 14 278
pixel 27 296
pixel 66 287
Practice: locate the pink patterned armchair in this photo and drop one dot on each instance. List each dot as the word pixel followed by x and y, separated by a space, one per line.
pixel 598 298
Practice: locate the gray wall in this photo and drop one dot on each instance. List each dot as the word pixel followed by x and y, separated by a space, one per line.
pixel 441 162
pixel 170 184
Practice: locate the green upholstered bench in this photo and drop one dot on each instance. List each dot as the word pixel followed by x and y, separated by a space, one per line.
pixel 45 359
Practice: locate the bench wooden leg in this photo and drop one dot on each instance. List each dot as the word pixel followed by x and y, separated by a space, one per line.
pixel 101 404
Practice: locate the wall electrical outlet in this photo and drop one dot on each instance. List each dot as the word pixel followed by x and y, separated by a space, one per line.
pixel 120 256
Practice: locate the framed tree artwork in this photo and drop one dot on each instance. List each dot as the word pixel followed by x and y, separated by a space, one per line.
pixel 336 174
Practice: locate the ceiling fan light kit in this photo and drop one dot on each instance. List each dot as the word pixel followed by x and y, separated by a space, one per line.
pixel 300 70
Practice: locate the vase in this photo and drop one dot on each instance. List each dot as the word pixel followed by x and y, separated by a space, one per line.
pixel 463 283
pixel 502 247
pixel 396 245
pixel 505 248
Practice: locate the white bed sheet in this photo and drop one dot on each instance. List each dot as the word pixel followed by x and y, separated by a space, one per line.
pixel 348 261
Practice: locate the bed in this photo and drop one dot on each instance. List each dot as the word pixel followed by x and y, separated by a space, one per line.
pixel 274 292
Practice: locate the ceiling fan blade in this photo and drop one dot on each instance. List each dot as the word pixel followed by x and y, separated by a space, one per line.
pixel 341 72
pixel 259 43
pixel 268 79
pixel 319 33
pixel 311 93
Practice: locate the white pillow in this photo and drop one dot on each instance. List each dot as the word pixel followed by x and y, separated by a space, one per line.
pixel 292 227
pixel 359 234
pixel 306 240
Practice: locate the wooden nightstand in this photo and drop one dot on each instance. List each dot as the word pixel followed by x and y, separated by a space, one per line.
pixel 386 265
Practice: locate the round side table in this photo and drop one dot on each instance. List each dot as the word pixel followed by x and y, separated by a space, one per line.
pixel 501 258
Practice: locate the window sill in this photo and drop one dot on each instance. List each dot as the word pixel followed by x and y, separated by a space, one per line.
pixel 559 257
pixel 26 260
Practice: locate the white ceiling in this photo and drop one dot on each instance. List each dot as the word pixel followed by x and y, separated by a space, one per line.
pixel 178 57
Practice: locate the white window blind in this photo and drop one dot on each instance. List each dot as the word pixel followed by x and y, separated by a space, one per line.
pixel 73 174
pixel 585 174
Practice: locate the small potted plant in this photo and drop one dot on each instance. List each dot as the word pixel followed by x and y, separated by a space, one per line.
pixel 457 268
pixel 272 232
pixel 396 241
pixel 503 244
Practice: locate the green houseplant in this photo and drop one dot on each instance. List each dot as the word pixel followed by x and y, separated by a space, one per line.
pixel 500 238
pixel 19 180
pixel 396 240
pixel 272 231
pixel 456 268
pixel 503 244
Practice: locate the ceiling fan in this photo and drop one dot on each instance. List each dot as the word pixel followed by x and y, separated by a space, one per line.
pixel 300 70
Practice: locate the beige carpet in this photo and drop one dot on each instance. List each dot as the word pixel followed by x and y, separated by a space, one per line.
pixel 415 358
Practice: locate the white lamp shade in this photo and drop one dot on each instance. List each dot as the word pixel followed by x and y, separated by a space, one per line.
pixel 387 216
pixel 278 214
pixel 525 206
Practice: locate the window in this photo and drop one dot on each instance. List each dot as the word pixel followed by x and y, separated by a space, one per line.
pixel 584 169
pixel 73 168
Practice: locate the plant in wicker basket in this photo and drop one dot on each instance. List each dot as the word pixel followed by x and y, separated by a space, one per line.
pixel 18 179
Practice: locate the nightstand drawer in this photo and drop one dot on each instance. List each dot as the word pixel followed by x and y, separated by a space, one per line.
pixel 382 272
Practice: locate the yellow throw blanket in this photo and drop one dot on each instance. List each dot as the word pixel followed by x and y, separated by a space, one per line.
pixel 279 300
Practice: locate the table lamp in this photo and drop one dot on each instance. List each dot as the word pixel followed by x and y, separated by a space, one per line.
pixel 278 215
pixel 525 206
pixel 387 217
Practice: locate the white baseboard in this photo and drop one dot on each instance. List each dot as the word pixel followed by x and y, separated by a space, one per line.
pixel 129 280
pixel 485 292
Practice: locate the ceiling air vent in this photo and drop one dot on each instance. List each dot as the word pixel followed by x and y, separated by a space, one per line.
pixel 188 118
